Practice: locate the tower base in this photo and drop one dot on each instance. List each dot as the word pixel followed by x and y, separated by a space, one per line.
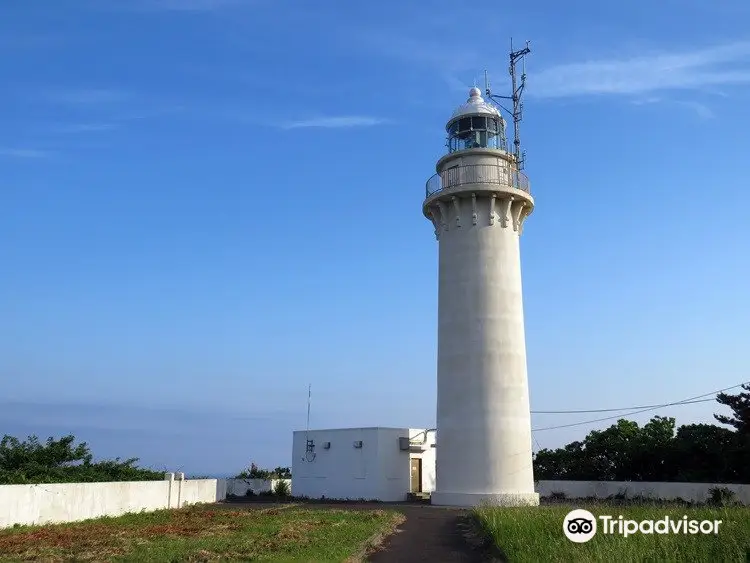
pixel 471 500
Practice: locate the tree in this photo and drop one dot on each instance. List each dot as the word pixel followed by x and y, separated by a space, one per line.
pixel 706 453
pixel 624 452
pixel 254 472
pixel 740 405
pixel 62 461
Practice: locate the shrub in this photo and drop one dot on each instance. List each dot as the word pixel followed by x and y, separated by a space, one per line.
pixel 722 496
pixel 282 489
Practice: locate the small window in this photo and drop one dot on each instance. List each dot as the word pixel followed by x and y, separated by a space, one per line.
pixel 464 124
pixel 479 123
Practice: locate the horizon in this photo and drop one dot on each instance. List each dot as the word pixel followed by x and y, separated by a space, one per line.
pixel 200 223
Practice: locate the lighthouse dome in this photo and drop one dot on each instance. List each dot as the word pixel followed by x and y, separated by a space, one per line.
pixel 476 124
pixel 475 105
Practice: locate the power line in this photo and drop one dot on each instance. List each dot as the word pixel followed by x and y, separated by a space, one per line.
pixel 625 408
pixel 645 409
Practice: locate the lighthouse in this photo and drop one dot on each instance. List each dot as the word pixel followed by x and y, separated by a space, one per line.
pixel 478 203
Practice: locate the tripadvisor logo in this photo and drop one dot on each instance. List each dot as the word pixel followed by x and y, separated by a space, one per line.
pixel 580 526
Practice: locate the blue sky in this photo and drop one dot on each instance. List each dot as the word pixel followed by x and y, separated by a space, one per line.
pixel 207 205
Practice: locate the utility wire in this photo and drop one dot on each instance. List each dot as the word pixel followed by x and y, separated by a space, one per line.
pixel 625 408
pixel 645 409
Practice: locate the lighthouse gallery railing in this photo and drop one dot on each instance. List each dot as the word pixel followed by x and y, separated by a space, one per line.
pixel 477 174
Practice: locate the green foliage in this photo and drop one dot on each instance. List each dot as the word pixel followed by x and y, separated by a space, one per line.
pixel 62 461
pixel 740 405
pixel 282 489
pixel 657 452
pixel 254 472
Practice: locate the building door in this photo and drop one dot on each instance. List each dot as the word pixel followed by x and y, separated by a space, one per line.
pixel 416 475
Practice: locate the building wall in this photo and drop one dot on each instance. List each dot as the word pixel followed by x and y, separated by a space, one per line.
pixel 379 470
pixel 71 502
pixel 694 492
pixel 428 457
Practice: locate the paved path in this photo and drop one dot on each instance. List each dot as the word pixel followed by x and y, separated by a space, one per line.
pixel 429 534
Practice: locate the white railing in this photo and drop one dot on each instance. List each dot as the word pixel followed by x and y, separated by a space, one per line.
pixel 491 174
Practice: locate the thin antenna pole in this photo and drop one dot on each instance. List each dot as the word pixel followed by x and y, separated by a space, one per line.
pixel 309 394
pixel 516 97
pixel 486 83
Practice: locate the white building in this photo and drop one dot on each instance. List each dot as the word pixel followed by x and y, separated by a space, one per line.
pixel 363 463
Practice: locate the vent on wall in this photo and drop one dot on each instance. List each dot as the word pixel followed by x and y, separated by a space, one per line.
pixel 358 444
pixel 326 445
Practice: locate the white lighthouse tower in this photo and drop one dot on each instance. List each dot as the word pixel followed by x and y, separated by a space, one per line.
pixel 478 201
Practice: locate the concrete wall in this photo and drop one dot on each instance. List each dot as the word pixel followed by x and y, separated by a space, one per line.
pixel 379 470
pixel 239 487
pixel 71 502
pixel 694 492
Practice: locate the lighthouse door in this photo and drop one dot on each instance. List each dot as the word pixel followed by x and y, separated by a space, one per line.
pixel 416 475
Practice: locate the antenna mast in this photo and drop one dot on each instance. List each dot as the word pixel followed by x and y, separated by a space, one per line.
pixel 309 444
pixel 309 395
pixel 515 97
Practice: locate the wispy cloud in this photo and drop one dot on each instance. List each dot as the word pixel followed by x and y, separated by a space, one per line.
pixel 88 96
pixel 720 65
pixel 16 41
pixel 420 51
pixel 85 127
pixel 180 5
pixel 23 153
pixel 336 122
pixel 701 110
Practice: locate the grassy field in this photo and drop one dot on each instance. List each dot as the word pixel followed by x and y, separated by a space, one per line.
pixel 204 533
pixel 536 534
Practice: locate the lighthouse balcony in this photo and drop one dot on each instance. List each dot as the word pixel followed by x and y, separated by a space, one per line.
pixel 492 176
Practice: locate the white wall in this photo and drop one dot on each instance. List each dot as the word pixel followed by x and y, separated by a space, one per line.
pixel 694 492
pixel 428 457
pixel 71 502
pixel 379 470
pixel 239 487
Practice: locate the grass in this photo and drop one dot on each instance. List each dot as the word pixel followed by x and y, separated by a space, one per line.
pixel 536 534
pixel 205 533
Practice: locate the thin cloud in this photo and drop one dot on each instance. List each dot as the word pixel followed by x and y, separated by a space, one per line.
pixel 88 96
pixel 85 127
pixel 720 65
pixel 421 52
pixel 28 41
pixel 701 110
pixel 335 122
pixel 181 5
pixel 23 153
pixel 112 122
